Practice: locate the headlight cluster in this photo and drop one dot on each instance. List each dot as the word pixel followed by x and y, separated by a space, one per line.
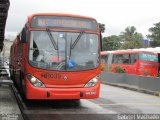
pixel 34 81
pixel 92 82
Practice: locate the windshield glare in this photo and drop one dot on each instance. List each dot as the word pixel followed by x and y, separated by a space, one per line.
pixel 83 56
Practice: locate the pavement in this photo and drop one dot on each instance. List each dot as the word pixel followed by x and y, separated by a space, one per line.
pixel 9 109
pixel 114 104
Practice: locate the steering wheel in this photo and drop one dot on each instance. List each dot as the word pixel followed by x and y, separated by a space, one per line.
pixel 61 65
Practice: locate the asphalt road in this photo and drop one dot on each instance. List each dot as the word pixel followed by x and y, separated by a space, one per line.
pixel 114 103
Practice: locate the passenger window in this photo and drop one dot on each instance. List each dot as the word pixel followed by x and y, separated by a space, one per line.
pixel 134 58
pixel 126 58
pixel 115 59
pixel 121 59
pixel 104 59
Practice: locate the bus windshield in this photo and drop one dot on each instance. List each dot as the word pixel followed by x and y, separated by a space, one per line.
pixel 70 51
pixel 148 57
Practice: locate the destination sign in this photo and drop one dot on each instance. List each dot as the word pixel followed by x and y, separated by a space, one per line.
pixel 63 22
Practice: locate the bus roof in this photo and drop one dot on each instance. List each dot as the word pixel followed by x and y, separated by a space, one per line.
pixel 125 52
pixel 105 52
pixel 130 51
pixel 58 14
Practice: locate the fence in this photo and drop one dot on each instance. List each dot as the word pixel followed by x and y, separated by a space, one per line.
pixel 140 83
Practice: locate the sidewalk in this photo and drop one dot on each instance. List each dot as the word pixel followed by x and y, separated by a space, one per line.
pixel 9 109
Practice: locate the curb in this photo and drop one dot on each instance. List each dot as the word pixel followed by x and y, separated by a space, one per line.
pixel 133 88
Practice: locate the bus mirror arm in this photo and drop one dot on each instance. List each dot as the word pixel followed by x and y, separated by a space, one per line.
pixel 18 37
pixel 101 41
pixel 19 61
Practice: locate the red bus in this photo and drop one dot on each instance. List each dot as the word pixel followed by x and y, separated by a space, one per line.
pixel 104 61
pixel 133 62
pixel 57 56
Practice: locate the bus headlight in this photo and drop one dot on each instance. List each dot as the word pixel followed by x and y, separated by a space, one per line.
pixel 92 82
pixel 34 81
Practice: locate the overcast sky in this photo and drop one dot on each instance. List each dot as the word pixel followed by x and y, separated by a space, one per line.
pixel 115 14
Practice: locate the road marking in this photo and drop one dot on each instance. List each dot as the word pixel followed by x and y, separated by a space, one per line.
pixel 140 104
pixel 134 94
pixel 131 96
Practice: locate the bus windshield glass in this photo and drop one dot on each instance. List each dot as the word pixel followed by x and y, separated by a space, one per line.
pixel 148 57
pixel 70 51
pixel 63 22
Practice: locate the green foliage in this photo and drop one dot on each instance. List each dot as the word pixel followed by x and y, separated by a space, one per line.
pixel 102 67
pixel 102 27
pixel 119 69
pixel 131 39
pixel 131 45
pixel 155 35
pixel 111 43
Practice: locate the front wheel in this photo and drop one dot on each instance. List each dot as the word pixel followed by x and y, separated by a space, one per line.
pixel 76 102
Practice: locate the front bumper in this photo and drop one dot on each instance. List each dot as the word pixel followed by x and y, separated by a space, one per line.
pixel 61 93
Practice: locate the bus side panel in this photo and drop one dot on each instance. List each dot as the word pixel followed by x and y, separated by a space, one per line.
pixel 147 68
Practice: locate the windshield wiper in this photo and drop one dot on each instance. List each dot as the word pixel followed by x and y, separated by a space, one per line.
pixel 52 39
pixel 70 51
pixel 78 38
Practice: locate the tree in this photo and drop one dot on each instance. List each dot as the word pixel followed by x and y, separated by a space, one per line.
pixel 111 43
pixel 155 35
pixel 102 27
pixel 131 39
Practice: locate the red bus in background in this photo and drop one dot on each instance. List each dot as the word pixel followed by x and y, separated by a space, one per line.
pixel 104 60
pixel 57 56
pixel 133 62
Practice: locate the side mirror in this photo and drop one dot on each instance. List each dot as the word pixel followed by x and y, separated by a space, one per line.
pixel 100 41
pixel 23 36
pixel 18 37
